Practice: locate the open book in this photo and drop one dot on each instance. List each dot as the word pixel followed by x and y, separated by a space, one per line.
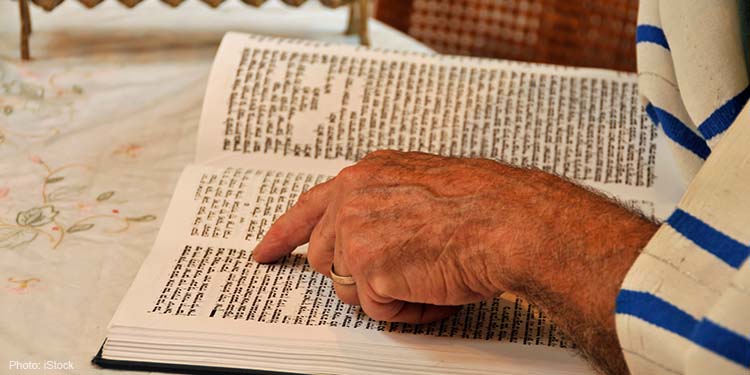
pixel 280 116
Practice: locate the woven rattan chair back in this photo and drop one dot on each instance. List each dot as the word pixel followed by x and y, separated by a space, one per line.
pixel 594 33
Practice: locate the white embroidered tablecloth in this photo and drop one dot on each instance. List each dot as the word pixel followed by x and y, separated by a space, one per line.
pixel 93 134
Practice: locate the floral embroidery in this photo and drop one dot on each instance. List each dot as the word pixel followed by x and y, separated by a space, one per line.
pixel 21 285
pixel 85 207
pixel 4 191
pixel 23 92
pixel 5 134
pixel 44 220
pixel 37 216
pixel 130 150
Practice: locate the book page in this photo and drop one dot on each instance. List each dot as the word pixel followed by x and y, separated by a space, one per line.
pixel 201 264
pixel 270 96
pixel 314 100
pixel 200 290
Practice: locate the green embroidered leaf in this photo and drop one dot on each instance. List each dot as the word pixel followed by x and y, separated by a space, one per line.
pixel 104 196
pixel 65 193
pixel 80 228
pixel 8 87
pixel 141 219
pixel 14 237
pixel 31 91
pixel 37 216
pixel 77 89
pixel 52 180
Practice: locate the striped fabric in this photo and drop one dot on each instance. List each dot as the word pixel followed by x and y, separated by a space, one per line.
pixel 684 307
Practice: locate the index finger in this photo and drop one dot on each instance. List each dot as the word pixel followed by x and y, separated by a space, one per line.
pixel 294 227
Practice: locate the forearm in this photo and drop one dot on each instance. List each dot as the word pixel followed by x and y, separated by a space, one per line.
pixel 420 234
pixel 573 272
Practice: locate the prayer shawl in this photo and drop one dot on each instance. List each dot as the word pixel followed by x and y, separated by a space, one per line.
pixel 684 307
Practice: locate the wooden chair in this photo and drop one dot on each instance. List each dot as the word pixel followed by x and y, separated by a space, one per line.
pixel 593 33
pixel 357 24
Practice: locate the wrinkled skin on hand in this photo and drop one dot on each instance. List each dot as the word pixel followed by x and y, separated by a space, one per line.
pixel 415 231
pixel 422 234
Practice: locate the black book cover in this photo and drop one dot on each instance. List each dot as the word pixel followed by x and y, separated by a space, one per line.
pixel 175 368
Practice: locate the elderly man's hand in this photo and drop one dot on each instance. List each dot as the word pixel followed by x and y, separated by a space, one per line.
pixel 415 231
pixel 421 234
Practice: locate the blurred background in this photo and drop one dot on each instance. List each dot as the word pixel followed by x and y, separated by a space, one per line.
pixel 567 32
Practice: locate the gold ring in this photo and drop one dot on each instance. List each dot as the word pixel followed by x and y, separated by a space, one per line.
pixel 343 280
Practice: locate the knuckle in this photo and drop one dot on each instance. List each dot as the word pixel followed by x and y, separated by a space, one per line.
pixel 353 173
pixel 382 285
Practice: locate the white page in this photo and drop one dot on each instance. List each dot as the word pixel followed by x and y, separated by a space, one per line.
pixel 214 221
pixel 231 208
pixel 316 100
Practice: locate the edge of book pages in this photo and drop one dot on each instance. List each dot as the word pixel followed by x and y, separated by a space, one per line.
pixel 429 356
pixel 175 368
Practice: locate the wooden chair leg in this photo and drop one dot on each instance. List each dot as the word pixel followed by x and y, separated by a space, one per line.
pixel 364 18
pixel 29 29
pixel 23 10
pixel 353 23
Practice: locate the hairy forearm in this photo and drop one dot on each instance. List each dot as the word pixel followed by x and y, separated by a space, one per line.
pixel 420 234
pixel 575 269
